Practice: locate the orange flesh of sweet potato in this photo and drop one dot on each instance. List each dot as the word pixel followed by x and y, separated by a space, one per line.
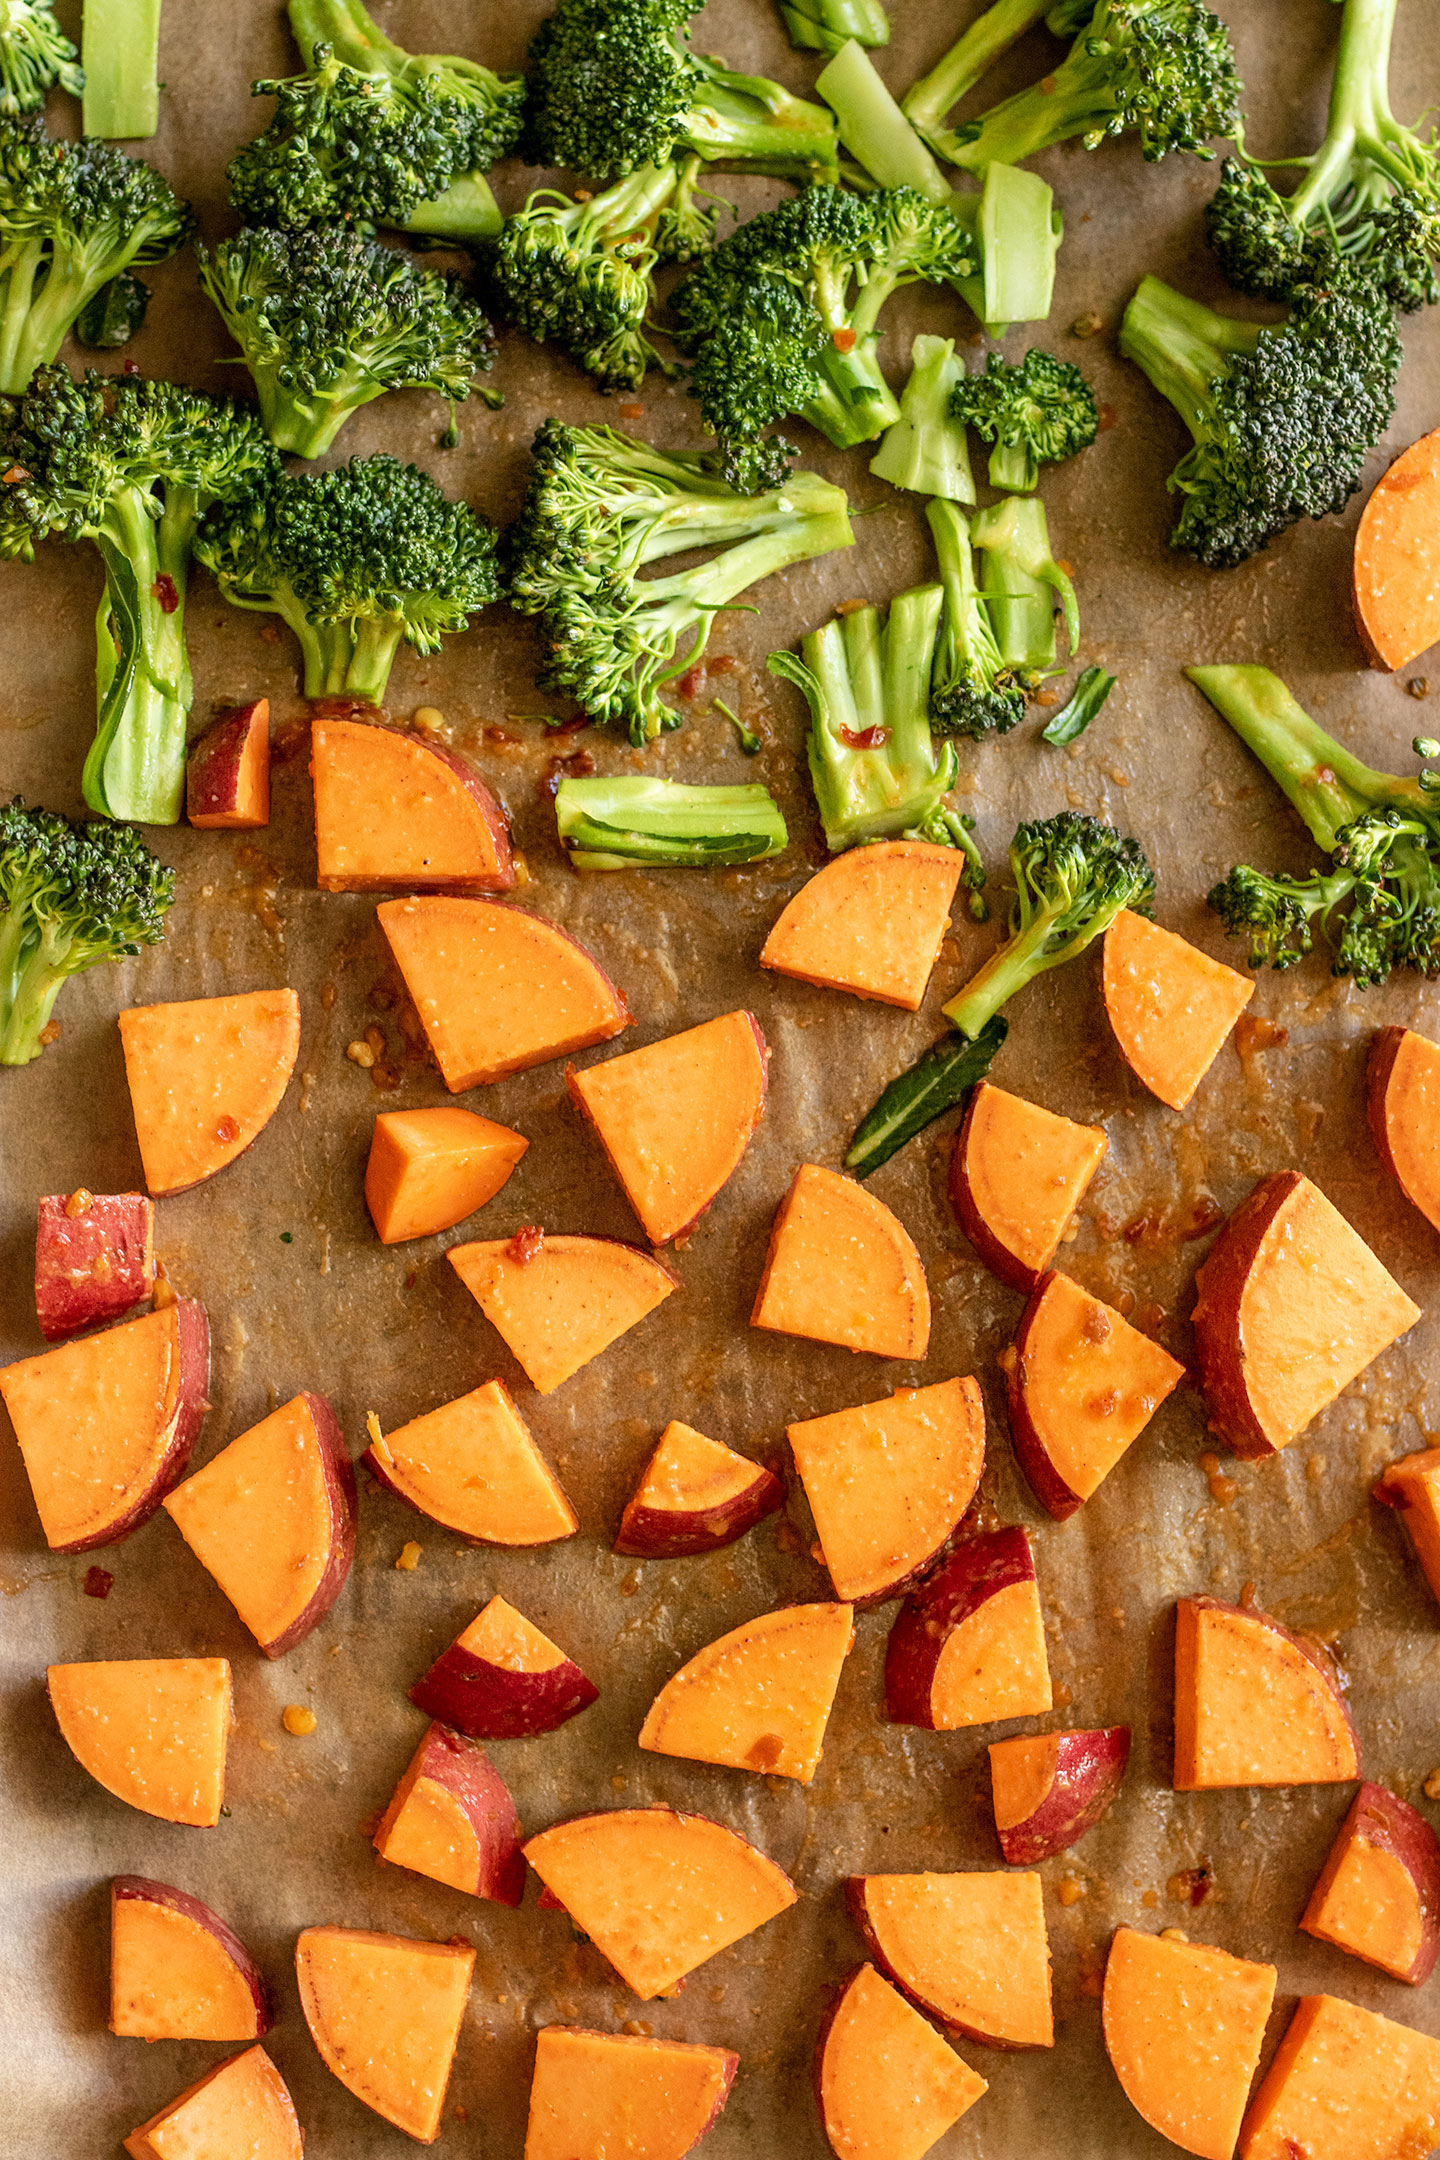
pixel 205 1078
pixel 94 1259
pixel 1413 1486
pixel 971 1949
pixel 595 2095
pixel 1346 2085
pixel 504 1637
pixel 1170 1004
pixel 227 774
pixel 870 922
pixel 152 1731
pixel 675 1118
pixel 172 1977
pixel 842 1269
pixel 888 2084
pixel 889 1482
pixel 429 1169
pixel 1397 559
pixel 240 2107
pixel 430 1833
pixel 758 1698
pixel 394 812
pixel 568 1302
pixel 472 1466
pixel 497 989
pixel 1016 1177
pixel 1291 1306
pixel 384 2013
pixel 1252 1707
pixel 1378 1895
pixel 451 1817
pixel 993 1665
pixel 658 1893
pixel 695 1496
pixel 1083 1387
pixel 1183 2029
pixel 1022 1772
pixel 1402 1099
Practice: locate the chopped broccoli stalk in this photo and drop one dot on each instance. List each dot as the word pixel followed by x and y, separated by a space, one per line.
pixel 941 1080
pixel 873 128
pixel 1021 581
pixel 35 54
pixel 327 320
pixel 120 42
pixel 1017 232
pixel 929 102
pixel 1282 415
pixel 925 450
pixel 1075 715
pixel 488 108
pixel 70 897
pixel 115 315
pixel 1039 411
pixel 827 25
pixel 614 824
pixel 973 691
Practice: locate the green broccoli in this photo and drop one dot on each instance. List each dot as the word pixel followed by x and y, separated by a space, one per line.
pixel 826 25
pixel 925 450
pixel 1022 582
pixel 129 464
pixel 356 561
pixel 115 315
pixel 120 41
pixel 1038 411
pixel 929 102
pixel 608 824
pixel 70 897
pixel 973 690
pixel 880 139
pixel 1017 233
pixel 35 54
pixel 327 320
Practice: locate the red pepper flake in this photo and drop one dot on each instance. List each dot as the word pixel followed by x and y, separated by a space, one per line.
pixel 1108 418
pixel 1192 1885
pixel 692 683
pixel 1047 86
pixel 14 473
pixel 1204 1214
pixel 523 1247
pixel 723 664
pixel 129 367
pixel 99 1582
pixel 499 735
pixel 870 738
pixel 226 1130
pixel 578 766
pixel 165 592
pixel 843 340
pixel 632 412
pixel 1252 1034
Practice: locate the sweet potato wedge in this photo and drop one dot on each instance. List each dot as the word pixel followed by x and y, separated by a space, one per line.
pixel 472 1466
pixel 150 1730
pixel 887 2085
pixel 1412 1486
pixel 595 2094
pixel 94 1259
pixel 384 2013
pixel 842 1269
pixel 970 1949
pixel 1017 1175
pixel 1378 1895
pixel 1396 582
pixel 429 1169
pixel 227 773
pixel 968 1645
pixel 177 1972
pixel 1345 2084
pixel 1048 1789
pixel 451 1817
pixel 870 922
pixel 393 813
pixel 497 988
pixel 1254 1705
pixel 205 1079
pixel 1183 2029
pixel 1402 1103
pixel 242 2106
pixel 758 1698
pixel 1171 1006
pixel 560 1301
pixel 694 1497
pixel 503 1680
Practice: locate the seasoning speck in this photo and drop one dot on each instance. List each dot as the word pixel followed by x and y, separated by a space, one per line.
pixel 409 1556
pixel 298 1720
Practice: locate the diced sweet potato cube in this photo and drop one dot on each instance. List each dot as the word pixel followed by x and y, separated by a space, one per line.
pixel 429 1169
pixel 451 1817
pixel 206 1077
pixel 472 1466
pixel 502 1679
pixel 561 1303
pixel 240 2110
pixel 177 1972
pixel 675 1118
pixel 94 1259
pixel 968 1646
pixel 1048 1789
pixel 888 2085
pixel 1346 2085
pixel 1183 2029
pixel 1402 1102
pixel 758 1698
pixel 1378 1895
pixel 497 988
pixel 395 813
pixel 595 2095
pixel 1396 586
pixel 1413 1486
pixel 227 773
pixel 658 1893
pixel 870 922
pixel 150 1730
pixel 889 1483
pixel 384 2013
pixel 842 1269
pixel 1170 1004
pixel 1253 1704
pixel 694 1497
pixel 969 1949
pixel 1017 1175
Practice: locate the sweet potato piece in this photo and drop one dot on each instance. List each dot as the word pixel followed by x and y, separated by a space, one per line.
pixel 384 2013
pixel 1402 1102
pixel 1183 2029
pixel 393 813
pixel 560 1304
pixel 1017 1175
pixel 889 1483
pixel 887 2084
pixel 1292 1306
pixel 1345 2085
pixel 429 1169
pixel 1048 1789
pixel 842 1269
pixel 106 1424
pixel 472 1466
pixel 968 1646
pixel 497 989
pixel 1396 584
pixel 240 2110
pixel 1378 1895
pixel 675 1118
pixel 503 1680
pixel 227 774
pixel 94 1259
pixel 658 1893
pixel 205 1079
pixel 272 1518
pixel 1254 1705
pixel 152 1731
pixel 1170 1004
pixel 177 1972
pixel 1413 1486
pixel 870 922
pixel 595 2095
pixel 1083 1384
pixel 971 1950
pixel 758 1698
pixel 451 1817
pixel 694 1497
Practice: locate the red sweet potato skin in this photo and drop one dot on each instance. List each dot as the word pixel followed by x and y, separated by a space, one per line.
pixel 974 1572
pixel 672 1534
pixel 1221 1286
pixel 94 1259
pixel 192 1908
pixel 344 1507
pixel 487 1702
pixel 1089 1769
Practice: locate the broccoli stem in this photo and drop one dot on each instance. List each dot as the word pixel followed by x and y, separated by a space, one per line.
pixel 1183 347
pixel 1073 99
pixel 466 211
pixel 20 265
pixel 32 981
pixel 874 129
pixel 1018 962
pixel 120 41
pixel 825 25
pixel 926 449
pixel 610 824
pixel 1020 581
pixel 346 27
pixel 33 333
pixel 136 765
pixel 929 102
pixel 746 120
pixel 1013 466
pixel 1360 116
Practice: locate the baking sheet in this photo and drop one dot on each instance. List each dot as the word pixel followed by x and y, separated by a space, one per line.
pixel 301 1295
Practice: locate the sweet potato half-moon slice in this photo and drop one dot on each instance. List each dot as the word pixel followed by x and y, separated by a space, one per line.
pixel 968 1645
pixel 473 1467
pixel 675 1117
pixel 694 1497
pixel 658 1893
pixel 887 2084
pixel 94 1259
pixel 205 1079
pixel 107 1423
pixel 1412 1486
pixel 429 1169
pixel 150 1730
pixel 240 2108
pixel 758 1698
pixel 1345 2084
pixel 1396 585
pixel 1170 1004
pixel 1183 2029
pixel 177 1971
pixel 1253 1704
pixel 393 813
pixel 842 1269
pixel 1378 1895
pixel 870 922
pixel 594 2095
pixel 1402 1102
pixel 227 774
pixel 970 1949
pixel 1048 1789
pixel 497 988
pixel 562 1301
pixel 451 1817
pixel 1017 1175
pixel 503 1680
pixel 384 2013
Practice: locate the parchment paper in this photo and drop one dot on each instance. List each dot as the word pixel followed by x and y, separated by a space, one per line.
pixel 393 1331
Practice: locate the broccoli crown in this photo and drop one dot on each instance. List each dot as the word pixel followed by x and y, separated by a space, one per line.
pixel 1041 408
pixel 486 109
pixel 35 54
pixel 1265 249
pixel 578 273
pixel 86 199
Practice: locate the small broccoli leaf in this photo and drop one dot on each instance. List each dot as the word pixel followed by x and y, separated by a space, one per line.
pixel 1086 699
pixel 937 1082
pixel 115 314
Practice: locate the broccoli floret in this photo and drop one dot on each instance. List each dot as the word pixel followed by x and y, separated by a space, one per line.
pixel 35 54
pixel 600 508
pixel 486 109
pixel 129 464
pixel 70 896
pixel 925 450
pixel 783 318
pixel 973 692
pixel 72 217
pixel 928 102
pixel 1283 415
pixel 826 25
pixel 327 320
pixel 1040 411
pixel 1372 189
pixel 356 561
pixel 608 824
